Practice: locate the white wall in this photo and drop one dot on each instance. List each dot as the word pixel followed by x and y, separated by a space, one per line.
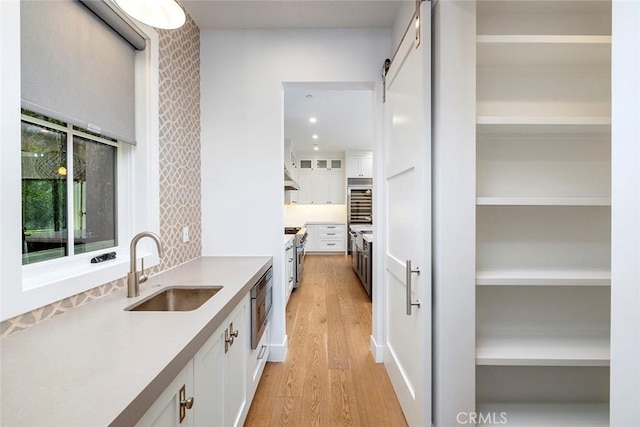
pixel 625 215
pixel 243 72
pixel 454 208
pixel 10 160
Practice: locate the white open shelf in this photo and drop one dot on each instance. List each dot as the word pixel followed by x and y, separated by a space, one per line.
pixel 543 201
pixel 543 238
pixel 532 350
pixel 495 126
pixel 541 277
pixel 550 121
pixel 543 49
pixel 546 414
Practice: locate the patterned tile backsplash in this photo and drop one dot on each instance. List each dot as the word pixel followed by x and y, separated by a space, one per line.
pixel 179 168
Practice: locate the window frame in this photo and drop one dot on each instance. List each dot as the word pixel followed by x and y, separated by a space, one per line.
pixel 51 265
pixel 25 288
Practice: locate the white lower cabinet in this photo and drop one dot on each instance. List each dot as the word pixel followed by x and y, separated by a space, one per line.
pixel 166 411
pixel 329 237
pixel 216 380
pixel 289 259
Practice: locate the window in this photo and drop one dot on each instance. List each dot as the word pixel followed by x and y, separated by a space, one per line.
pixel 66 210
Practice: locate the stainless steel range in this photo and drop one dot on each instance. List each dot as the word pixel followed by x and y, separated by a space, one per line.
pixel 299 242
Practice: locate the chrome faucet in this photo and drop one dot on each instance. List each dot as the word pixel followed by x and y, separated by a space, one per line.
pixel 134 278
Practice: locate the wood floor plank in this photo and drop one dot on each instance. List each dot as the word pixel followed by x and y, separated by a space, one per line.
pixel 287 411
pixel 329 376
pixel 316 395
pixel 336 341
pixel 344 406
pixel 293 370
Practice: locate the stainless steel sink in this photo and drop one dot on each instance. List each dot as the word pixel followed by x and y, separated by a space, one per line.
pixel 176 298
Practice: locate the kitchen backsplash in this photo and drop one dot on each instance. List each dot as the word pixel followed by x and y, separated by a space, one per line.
pixel 297 215
pixel 179 82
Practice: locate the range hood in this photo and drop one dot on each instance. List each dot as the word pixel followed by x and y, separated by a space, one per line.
pixel 289 183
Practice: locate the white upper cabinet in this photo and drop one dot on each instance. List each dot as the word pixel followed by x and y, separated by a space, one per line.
pixel 321 181
pixel 360 165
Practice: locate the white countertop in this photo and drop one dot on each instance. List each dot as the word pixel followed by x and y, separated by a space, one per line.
pixel 99 365
pixel 288 238
pixel 368 237
pixel 325 223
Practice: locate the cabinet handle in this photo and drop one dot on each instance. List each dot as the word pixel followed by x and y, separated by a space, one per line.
pixel 263 349
pixel 331 234
pixel 229 337
pixel 184 403
pixel 233 333
pixel 331 244
pixel 290 279
pixel 408 273
pixel 331 226
pixel 187 403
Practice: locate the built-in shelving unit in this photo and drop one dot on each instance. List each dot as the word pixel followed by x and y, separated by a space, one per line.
pixel 543 214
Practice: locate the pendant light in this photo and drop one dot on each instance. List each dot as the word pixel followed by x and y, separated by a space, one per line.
pixel 164 14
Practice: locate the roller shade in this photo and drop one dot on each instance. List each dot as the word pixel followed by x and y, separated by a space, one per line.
pixel 75 68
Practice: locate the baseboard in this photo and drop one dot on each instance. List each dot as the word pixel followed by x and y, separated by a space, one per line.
pixel 376 350
pixel 278 352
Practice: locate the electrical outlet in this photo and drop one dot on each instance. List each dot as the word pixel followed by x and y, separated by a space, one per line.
pixel 185 234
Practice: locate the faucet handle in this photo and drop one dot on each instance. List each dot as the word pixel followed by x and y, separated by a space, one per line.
pixel 141 276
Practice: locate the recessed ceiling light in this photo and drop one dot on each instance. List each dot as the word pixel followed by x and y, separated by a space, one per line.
pixel 315 147
pixel 309 96
pixel 314 136
pixel 312 120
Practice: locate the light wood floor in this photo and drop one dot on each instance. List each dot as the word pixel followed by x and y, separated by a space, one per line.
pixel 329 377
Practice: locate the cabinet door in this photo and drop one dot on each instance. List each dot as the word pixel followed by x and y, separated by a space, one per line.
pixel 335 165
pixel 208 382
pixel 337 188
pixel 165 412
pixel 311 238
pixel 366 167
pixel 353 167
pixel 322 187
pixel 306 164
pixel 289 259
pixel 306 180
pixel 235 366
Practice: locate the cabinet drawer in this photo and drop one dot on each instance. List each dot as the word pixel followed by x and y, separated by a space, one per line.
pixel 332 230
pixel 331 234
pixel 329 245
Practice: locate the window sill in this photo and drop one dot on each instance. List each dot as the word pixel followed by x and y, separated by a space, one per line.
pixel 80 277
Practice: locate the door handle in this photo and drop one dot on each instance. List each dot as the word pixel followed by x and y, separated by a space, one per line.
pixel 408 273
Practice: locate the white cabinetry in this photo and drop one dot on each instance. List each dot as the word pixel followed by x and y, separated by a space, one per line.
pixel 543 211
pixel 166 410
pixel 216 379
pixel 360 165
pixel 289 259
pixel 328 237
pixel 321 182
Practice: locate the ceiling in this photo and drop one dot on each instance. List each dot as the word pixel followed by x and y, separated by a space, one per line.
pixel 290 14
pixel 344 119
